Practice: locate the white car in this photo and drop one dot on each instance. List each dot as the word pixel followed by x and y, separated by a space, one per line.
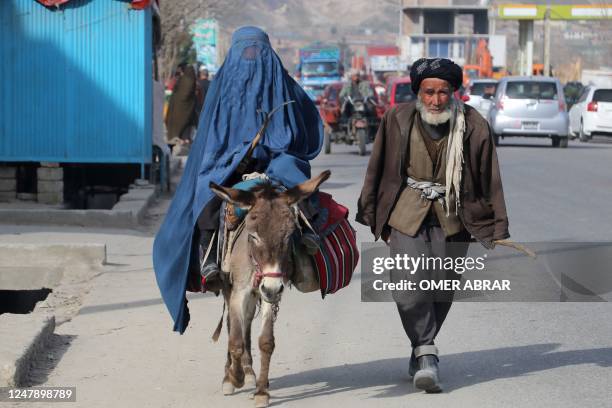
pixel 480 92
pixel 592 113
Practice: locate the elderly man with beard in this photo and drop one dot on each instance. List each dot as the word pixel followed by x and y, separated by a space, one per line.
pixel 432 183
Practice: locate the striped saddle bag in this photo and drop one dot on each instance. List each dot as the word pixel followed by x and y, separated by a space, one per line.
pixel 338 254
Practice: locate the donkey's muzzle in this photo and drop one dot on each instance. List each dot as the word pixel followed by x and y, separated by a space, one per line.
pixel 271 291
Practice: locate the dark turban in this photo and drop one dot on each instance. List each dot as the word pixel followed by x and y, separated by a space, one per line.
pixel 440 68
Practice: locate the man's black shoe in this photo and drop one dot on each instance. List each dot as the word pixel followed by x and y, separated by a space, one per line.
pixel 426 377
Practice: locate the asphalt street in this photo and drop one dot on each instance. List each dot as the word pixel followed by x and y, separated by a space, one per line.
pixel 119 350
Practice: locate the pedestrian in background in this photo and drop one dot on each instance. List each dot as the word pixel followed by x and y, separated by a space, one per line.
pixel 182 117
pixel 202 89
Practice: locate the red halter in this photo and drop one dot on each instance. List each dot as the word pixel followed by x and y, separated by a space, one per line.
pixel 259 275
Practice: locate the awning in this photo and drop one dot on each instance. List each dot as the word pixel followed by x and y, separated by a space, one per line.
pixel 141 4
pixel 136 4
pixel 50 3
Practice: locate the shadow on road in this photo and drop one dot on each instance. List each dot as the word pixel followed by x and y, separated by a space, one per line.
pixel 45 362
pixel 339 166
pixel 589 145
pixel 457 370
pixel 337 186
pixel 111 307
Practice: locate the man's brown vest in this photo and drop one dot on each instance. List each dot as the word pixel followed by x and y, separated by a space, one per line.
pixel 411 210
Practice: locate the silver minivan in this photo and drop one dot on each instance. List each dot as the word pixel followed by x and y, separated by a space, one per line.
pixel 530 107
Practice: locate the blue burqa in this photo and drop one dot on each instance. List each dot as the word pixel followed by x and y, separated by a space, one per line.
pixel 251 80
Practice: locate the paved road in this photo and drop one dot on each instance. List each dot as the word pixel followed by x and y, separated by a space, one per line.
pixel 119 350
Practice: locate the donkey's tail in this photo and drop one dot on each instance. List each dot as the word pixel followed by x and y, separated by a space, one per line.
pixel 217 332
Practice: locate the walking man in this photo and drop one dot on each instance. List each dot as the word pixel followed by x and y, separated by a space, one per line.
pixel 432 183
pixel 202 88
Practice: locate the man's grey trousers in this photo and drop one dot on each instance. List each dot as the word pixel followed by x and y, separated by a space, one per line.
pixel 423 311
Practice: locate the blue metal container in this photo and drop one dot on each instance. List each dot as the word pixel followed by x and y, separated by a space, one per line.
pixel 76 82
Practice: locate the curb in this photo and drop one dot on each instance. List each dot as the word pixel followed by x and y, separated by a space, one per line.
pixel 127 213
pixel 23 337
pixel 52 255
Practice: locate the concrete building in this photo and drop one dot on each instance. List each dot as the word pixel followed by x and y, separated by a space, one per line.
pixel 448 29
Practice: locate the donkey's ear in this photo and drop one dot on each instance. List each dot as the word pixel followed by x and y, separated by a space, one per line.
pixel 240 198
pixel 304 190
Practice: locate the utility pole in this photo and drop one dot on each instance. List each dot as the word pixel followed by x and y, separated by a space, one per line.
pixel 547 40
pixel 401 22
pixel 526 47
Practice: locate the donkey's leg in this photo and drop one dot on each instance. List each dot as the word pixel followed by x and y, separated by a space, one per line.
pixel 227 386
pixel 247 358
pixel 266 346
pixel 237 314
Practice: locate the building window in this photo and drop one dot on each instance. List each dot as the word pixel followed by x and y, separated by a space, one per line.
pixel 460 50
pixel 439 48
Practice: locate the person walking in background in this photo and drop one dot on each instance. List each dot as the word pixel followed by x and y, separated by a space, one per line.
pixel 202 88
pixel 182 117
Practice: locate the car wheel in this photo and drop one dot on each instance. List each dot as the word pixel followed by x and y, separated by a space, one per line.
pixel 583 137
pixel 563 142
pixel 570 133
pixel 496 139
pixel 555 141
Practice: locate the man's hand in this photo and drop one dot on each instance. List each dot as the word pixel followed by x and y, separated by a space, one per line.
pixel 386 236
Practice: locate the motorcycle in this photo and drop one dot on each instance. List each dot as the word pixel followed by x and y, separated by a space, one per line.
pixel 356 129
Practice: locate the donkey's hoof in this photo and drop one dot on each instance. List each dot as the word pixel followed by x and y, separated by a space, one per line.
pixel 237 379
pixel 262 401
pixel 237 383
pixel 228 388
pixel 250 380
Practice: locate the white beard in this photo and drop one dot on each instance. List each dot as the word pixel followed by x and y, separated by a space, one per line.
pixel 434 119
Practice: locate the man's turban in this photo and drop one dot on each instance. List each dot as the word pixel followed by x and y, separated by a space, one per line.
pixel 441 68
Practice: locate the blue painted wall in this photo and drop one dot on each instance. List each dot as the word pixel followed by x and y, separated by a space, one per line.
pixel 76 82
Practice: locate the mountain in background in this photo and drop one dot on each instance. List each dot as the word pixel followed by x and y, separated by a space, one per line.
pixel 294 23
pixel 314 19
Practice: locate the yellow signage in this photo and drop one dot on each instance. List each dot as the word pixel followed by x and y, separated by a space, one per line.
pixel 557 12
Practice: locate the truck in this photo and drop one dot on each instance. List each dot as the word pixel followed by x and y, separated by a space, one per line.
pixel 483 68
pixel 319 66
pixel 384 61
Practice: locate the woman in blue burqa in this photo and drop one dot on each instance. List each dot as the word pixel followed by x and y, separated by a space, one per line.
pixel 251 80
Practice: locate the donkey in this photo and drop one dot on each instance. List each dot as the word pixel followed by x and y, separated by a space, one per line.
pixel 260 267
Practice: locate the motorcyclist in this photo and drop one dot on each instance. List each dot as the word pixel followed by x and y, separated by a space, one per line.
pixel 355 89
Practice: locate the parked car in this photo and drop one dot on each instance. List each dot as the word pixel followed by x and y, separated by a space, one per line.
pixel 530 107
pixel 592 113
pixel 479 94
pixel 400 91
